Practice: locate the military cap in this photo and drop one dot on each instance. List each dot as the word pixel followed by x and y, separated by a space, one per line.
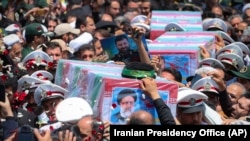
pixel 212 62
pixel 244 47
pixel 227 39
pixel 43 75
pixel 36 58
pixel 232 59
pixel 243 73
pixel 190 101
pixel 231 48
pixel 173 26
pixel 28 84
pixel 48 91
pixel 139 19
pixel 206 84
pixel 215 24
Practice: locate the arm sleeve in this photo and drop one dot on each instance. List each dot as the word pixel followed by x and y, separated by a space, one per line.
pixel 226 103
pixel 84 38
pixel 164 112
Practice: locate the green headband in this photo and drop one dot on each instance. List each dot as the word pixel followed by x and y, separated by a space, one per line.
pixel 137 73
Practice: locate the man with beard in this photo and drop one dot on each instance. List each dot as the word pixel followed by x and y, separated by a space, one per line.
pixel 125 53
pixel 126 100
pixel 240 110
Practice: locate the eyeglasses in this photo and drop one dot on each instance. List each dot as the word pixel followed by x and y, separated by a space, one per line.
pixel 87 56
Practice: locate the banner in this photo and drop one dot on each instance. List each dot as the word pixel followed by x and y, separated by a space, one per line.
pixel 189 20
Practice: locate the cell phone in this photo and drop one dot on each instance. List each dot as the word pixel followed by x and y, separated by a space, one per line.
pixel 2 93
pixel 25 133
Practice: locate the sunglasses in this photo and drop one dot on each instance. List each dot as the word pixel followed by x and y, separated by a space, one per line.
pixel 87 56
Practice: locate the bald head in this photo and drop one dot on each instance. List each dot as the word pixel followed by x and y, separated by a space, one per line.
pixel 141 117
pixel 106 17
pixel 235 91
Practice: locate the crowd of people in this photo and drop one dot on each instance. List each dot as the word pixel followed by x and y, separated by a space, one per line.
pixel 36 34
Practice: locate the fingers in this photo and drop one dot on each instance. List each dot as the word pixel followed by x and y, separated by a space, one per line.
pixel 60 135
pixel 202 49
pixel 47 135
pixel 37 134
pixel 218 38
pixel 70 136
pixel 146 82
pixel 66 135
pixel 12 137
pixel 142 84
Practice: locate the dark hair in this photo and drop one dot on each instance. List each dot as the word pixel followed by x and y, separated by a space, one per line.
pixel 83 48
pixel 98 126
pixel 82 20
pixel 74 2
pixel 94 40
pixel 189 7
pixel 11 82
pixel 72 128
pixel 207 14
pixel 46 23
pixel 29 38
pixel 52 45
pixel 146 1
pixel 232 31
pixel 139 66
pixel 227 12
pixel 107 4
pixel 246 95
pixel 124 93
pixel 103 32
pixel 176 73
pixel 76 12
pixel 120 38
